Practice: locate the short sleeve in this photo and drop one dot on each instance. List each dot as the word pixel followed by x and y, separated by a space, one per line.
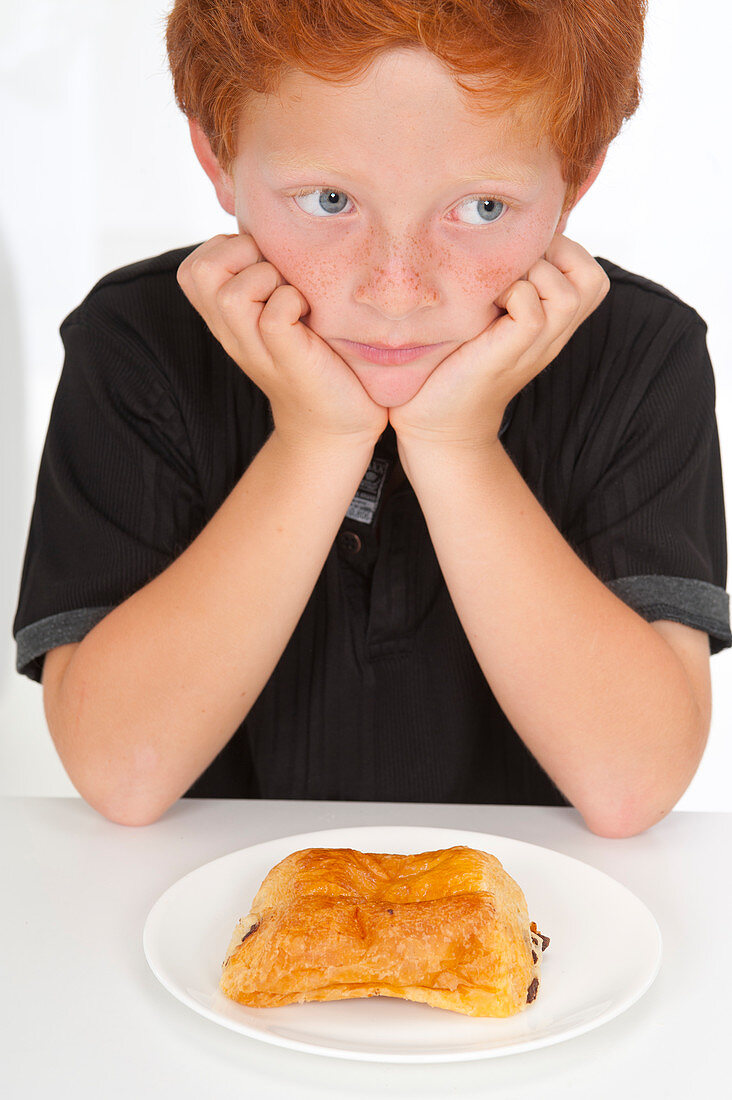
pixel 652 526
pixel 116 498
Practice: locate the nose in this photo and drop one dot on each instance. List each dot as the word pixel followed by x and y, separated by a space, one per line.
pixel 396 281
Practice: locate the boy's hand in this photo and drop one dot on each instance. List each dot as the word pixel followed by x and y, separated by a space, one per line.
pixel 463 401
pixel 255 316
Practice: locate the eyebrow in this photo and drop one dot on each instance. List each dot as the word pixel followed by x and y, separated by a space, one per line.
pixel 525 176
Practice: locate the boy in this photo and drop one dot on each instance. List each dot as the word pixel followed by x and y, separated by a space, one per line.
pixel 269 560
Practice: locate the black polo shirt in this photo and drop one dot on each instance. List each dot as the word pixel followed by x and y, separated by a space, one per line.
pixel 378 695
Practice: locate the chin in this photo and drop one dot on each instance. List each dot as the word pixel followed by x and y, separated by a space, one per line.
pixel 389 398
pixel 393 386
pixel 394 389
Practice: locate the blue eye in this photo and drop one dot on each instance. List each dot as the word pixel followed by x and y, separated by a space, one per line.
pixel 330 201
pixel 326 200
pixel 489 209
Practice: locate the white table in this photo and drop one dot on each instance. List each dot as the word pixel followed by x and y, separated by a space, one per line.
pixel 83 1016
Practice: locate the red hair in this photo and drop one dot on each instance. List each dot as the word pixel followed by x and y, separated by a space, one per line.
pixel 566 69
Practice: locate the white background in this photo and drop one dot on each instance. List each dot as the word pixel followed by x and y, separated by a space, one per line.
pixel 98 171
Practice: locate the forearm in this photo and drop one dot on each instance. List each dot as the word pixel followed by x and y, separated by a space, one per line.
pixel 158 687
pixel 595 693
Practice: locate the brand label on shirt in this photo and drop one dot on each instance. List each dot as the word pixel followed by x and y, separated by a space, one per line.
pixel 363 506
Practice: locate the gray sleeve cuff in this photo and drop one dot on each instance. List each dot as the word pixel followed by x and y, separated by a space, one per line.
pixel 696 603
pixel 35 640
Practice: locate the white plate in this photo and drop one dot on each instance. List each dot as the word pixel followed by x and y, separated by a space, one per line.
pixel 604 953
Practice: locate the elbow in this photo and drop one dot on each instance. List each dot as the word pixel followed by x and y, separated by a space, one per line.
pixel 125 779
pixel 617 829
pixel 128 814
pixel 127 794
pixel 136 809
pixel 642 801
pixel 629 814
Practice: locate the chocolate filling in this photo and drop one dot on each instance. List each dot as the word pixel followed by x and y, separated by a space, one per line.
pixel 252 929
pixel 545 941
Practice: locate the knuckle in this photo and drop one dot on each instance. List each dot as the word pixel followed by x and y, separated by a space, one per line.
pixel 183 275
pixel 571 301
pixel 269 322
pixel 187 283
pixel 199 266
pixel 599 290
pixel 228 298
pixel 276 304
pixel 266 270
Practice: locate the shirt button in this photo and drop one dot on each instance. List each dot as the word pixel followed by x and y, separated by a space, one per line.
pixel 349 541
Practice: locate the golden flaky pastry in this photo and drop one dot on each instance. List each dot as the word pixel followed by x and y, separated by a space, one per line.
pixel 449 928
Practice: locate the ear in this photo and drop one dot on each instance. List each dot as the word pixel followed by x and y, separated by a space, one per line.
pixel 594 173
pixel 223 183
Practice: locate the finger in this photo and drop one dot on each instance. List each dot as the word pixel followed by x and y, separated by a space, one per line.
pixel 215 261
pixel 236 313
pixel 243 295
pixel 523 307
pixel 579 266
pixel 285 338
pixel 555 289
pixel 565 253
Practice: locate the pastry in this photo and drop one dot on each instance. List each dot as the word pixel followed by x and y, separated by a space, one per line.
pixel 449 928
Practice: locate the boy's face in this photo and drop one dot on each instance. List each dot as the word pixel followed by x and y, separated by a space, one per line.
pixel 393 245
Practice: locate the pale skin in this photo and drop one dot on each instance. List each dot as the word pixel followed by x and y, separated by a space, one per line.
pixel 616 710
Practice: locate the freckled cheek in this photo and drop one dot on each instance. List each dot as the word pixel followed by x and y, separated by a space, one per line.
pixel 327 284
pixel 274 237
pixel 497 264
pixel 498 273
pixel 474 282
pixel 324 282
pixel 482 281
pixel 300 267
pixel 491 279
